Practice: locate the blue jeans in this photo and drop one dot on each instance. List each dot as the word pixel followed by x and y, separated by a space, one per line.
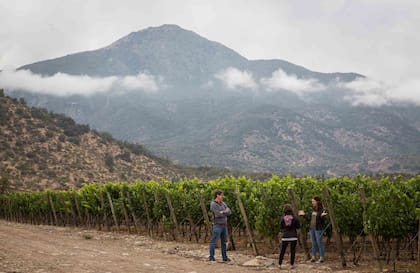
pixel 316 238
pixel 219 232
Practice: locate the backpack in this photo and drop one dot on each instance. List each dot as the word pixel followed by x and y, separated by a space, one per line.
pixel 288 219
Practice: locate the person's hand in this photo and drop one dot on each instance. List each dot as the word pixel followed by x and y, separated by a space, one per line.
pixel 301 213
pixel 323 213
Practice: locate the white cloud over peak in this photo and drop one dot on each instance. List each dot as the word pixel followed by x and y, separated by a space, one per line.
pixel 281 80
pixel 234 78
pixel 62 84
pixel 140 81
pixel 366 91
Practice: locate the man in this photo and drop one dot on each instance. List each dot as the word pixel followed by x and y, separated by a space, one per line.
pixel 220 213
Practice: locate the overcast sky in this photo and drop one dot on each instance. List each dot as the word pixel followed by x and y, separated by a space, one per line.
pixel 376 38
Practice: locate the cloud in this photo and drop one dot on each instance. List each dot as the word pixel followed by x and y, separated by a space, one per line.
pixel 234 78
pixel 280 80
pixel 61 84
pixel 366 91
pixel 141 81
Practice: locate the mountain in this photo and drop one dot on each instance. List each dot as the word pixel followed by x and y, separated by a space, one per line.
pixel 180 56
pixel 214 107
pixel 43 150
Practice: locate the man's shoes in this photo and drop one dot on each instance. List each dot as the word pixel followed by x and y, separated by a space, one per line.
pixel 226 260
pixel 212 259
pixel 320 260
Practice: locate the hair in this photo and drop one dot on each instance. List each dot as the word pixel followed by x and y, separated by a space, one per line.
pixel 217 192
pixel 319 205
pixel 287 209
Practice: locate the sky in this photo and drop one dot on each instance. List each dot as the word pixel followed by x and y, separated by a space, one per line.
pixel 375 38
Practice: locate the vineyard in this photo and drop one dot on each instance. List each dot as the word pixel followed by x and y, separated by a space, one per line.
pixel 375 216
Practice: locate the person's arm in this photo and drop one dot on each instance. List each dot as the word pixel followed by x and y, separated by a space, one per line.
pixel 305 216
pixel 282 224
pixel 297 223
pixel 215 209
pixel 227 211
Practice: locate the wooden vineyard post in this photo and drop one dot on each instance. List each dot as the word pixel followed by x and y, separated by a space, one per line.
pixel 127 222
pixel 173 216
pixel 336 229
pixel 112 209
pixel 205 214
pixel 133 214
pixel 161 226
pixel 101 197
pixel 302 231
pixel 146 208
pixel 52 208
pixel 190 221
pixel 66 212
pixel 418 243
pixel 73 213
pixel 245 218
pixel 371 237
pixel 76 202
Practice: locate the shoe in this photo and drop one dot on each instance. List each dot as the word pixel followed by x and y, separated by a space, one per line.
pixel 311 260
pixel 279 266
pixel 212 259
pixel 292 266
pixel 320 260
pixel 227 260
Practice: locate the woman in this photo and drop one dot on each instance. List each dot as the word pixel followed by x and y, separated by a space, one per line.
pixel 289 224
pixel 316 229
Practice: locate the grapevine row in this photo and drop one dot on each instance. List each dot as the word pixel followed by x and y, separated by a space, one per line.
pixel 178 209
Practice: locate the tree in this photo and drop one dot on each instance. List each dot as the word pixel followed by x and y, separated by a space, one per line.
pixel 4 185
pixel 109 161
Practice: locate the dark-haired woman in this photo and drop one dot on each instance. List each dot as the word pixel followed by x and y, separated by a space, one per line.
pixel 316 229
pixel 289 224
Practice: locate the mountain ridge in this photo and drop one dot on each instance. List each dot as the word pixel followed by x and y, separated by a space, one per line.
pixel 199 120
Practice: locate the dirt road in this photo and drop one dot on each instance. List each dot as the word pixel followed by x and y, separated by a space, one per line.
pixel 29 248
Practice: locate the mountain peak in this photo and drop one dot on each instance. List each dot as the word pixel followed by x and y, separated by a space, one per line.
pixel 166 32
pixel 164 27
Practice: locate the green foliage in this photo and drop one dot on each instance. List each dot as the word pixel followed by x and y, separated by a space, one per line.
pixel 391 212
pixel 22 101
pixel 109 161
pixel 4 185
pixel 3 114
pixel 106 136
pixel 392 206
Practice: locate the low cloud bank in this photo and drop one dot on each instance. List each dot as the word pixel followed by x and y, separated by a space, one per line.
pixel 62 84
pixel 281 80
pixel 234 78
pixel 361 91
pixel 370 92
